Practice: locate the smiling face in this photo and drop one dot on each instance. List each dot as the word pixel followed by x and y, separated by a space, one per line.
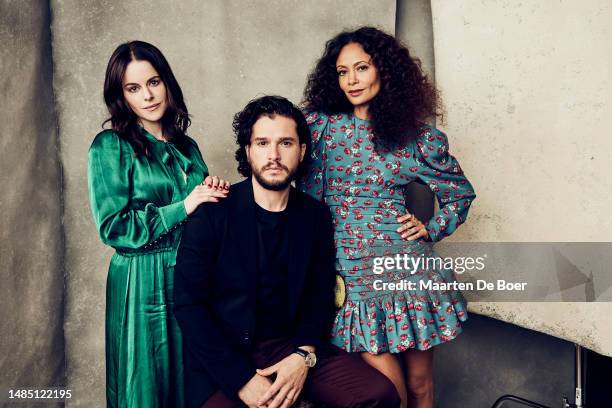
pixel 275 152
pixel 144 92
pixel 357 76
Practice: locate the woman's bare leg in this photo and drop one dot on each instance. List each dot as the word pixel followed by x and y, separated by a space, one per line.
pixel 419 377
pixel 390 366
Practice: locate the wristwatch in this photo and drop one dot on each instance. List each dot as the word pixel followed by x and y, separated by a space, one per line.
pixel 309 358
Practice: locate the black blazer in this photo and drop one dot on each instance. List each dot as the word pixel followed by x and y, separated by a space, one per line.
pixel 215 287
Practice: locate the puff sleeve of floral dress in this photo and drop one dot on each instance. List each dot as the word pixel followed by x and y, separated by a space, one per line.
pixel 313 181
pixel 441 171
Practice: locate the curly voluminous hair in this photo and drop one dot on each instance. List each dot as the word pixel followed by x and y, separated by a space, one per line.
pixel 269 106
pixel 406 98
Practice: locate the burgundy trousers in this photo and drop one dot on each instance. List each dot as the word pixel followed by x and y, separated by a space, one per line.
pixel 339 379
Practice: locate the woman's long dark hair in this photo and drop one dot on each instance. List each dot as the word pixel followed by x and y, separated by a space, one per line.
pixel 406 97
pixel 125 122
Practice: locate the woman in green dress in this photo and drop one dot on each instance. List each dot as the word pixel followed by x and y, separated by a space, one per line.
pixel 145 177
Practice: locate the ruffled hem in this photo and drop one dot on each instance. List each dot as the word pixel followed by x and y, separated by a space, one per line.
pixel 392 323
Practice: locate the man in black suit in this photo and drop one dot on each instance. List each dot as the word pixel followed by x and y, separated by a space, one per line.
pixel 254 283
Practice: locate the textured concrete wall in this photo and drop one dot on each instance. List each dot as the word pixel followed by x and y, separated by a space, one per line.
pixel 223 54
pixel 527 87
pixel 31 344
pixel 413 28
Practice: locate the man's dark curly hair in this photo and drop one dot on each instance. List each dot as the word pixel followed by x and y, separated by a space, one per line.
pixel 269 106
pixel 406 97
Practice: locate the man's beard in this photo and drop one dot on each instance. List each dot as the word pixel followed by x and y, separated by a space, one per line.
pixel 276 185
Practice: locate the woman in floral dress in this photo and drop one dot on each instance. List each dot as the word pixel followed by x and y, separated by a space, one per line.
pixel 366 102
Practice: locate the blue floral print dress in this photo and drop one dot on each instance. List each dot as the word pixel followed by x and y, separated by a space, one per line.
pixel 364 189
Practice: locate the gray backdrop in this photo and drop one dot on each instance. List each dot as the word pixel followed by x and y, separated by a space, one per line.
pixel 223 54
pixel 31 254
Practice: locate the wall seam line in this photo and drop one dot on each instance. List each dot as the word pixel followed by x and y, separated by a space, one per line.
pixel 62 201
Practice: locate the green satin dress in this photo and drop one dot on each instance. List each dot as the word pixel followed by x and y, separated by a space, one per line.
pixel 137 205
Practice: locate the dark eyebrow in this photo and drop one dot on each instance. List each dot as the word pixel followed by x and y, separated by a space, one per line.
pixel 355 64
pixel 148 80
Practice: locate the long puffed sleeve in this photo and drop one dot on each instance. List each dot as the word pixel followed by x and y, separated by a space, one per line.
pixel 313 181
pixel 442 173
pixel 110 178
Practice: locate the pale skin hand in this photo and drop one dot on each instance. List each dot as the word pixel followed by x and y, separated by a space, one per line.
pixel 291 374
pixel 210 191
pixel 216 182
pixel 412 227
pixel 252 392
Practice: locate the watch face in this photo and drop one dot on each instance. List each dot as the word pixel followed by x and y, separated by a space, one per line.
pixel 311 360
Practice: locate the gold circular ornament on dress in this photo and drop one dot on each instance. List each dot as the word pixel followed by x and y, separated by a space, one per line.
pixel 340 291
